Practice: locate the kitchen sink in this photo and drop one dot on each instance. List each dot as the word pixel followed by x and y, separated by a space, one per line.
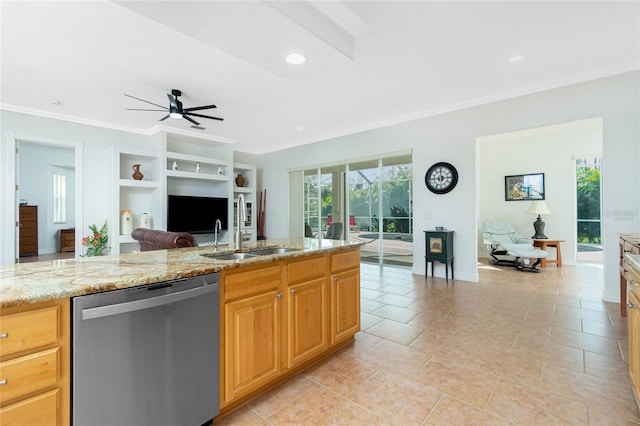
pixel 230 256
pixel 274 250
pixel 249 255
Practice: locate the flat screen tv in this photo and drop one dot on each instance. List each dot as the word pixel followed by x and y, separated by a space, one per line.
pixel 196 215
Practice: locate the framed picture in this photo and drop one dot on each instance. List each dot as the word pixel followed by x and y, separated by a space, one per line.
pixel 435 245
pixel 524 187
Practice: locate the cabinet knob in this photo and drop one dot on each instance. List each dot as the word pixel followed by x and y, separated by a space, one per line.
pixel 293 291
pixel 631 305
pixel 335 279
pixel 347 260
pixel 4 335
pixel 633 283
pixel 3 382
pixel 279 296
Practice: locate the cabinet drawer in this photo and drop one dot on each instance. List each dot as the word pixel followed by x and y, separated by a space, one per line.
pixel 251 282
pixel 39 410
pixel 344 261
pixel 631 274
pixel 305 270
pixel 29 330
pixel 29 373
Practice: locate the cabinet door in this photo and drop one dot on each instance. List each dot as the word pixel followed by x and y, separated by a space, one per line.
pixel 345 305
pixel 306 320
pixel 634 341
pixel 252 343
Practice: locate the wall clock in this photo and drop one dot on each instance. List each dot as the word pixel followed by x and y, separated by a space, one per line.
pixel 441 178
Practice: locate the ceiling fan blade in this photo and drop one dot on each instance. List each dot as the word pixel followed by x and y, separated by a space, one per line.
pixel 164 118
pixel 142 109
pixel 203 116
pixel 145 101
pixel 190 119
pixel 200 108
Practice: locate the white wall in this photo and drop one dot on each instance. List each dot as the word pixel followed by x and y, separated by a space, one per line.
pixel 551 150
pixel 36 186
pixel 452 137
pixel 446 137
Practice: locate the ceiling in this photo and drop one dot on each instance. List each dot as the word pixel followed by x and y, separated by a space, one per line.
pixel 369 63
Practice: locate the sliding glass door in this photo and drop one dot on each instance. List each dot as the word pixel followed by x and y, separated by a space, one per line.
pixel 369 201
pixel 381 209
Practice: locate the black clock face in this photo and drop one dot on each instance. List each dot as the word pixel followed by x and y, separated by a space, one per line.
pixel 441 178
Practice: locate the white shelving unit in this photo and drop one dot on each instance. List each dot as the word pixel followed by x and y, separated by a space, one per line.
pixel 249 192
pixel 215 177
pixel 203 169
pixel 139 196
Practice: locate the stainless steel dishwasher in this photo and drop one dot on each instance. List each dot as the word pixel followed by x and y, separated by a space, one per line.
pixel 147 355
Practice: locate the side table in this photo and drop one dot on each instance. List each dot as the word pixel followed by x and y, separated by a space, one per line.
pixel 439 248
pixel 543 244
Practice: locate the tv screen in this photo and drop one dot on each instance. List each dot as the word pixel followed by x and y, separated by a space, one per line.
pixel 196 215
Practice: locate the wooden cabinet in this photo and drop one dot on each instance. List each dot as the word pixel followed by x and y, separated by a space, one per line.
pixel 345 295
pixel 627 244
pixel 252 330
pixel 35 364
pixel 28 220
pixel 634 342
pixel 307 313
pixel 280 318
pixel 67 240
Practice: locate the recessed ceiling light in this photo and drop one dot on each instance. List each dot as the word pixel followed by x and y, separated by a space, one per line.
pixel 54 102
pixel 296 58
pixel 516 58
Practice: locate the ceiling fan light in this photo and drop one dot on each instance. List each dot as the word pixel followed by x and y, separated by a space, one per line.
pixel 175 115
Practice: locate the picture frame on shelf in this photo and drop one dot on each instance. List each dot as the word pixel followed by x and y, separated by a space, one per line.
pixel 524 187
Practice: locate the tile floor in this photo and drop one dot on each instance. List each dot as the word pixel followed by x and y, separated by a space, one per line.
pixel 516 348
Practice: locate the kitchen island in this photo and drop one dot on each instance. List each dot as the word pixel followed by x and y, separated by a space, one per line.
pixel 306 300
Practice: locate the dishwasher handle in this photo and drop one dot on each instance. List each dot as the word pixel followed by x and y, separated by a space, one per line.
pixel 151 302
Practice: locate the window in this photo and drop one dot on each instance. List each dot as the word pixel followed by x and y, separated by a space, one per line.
pixel 59 198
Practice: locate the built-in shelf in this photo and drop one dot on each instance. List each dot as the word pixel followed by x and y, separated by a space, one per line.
pixel 198 176
pixel 139 183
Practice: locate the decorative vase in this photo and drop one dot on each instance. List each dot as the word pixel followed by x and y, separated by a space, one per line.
pixel 240 180
pixel 136 172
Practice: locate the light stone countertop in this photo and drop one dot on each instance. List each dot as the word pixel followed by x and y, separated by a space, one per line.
pixel 41 281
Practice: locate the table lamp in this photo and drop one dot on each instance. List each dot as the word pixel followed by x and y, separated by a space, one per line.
pixel 538 207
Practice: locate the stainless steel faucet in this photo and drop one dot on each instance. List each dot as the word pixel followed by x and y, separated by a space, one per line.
pixel 240 220
pixel 216 228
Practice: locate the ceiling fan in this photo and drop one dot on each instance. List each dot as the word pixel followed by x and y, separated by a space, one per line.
pixel 175 109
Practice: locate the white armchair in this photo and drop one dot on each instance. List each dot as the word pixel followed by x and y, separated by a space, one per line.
pixel 507 247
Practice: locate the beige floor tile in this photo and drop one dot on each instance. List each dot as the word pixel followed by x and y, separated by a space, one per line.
pixel 396 358
pixel 588 342
pixel 450 411
pixel 396 313
pixel 395 331
pixel 321 406
pixel 609 368
pixel 458 380
pixel 364 341
pixel 341 373
pixel 395 300
pixel 243 417
pixel 563 356
pixel 272 401
pixel 529 405
pixel 368 320
pixel 392 397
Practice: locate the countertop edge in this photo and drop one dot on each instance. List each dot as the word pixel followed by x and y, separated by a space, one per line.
pixel 37 282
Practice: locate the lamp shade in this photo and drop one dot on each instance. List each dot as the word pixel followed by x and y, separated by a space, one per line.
pixel 538 207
